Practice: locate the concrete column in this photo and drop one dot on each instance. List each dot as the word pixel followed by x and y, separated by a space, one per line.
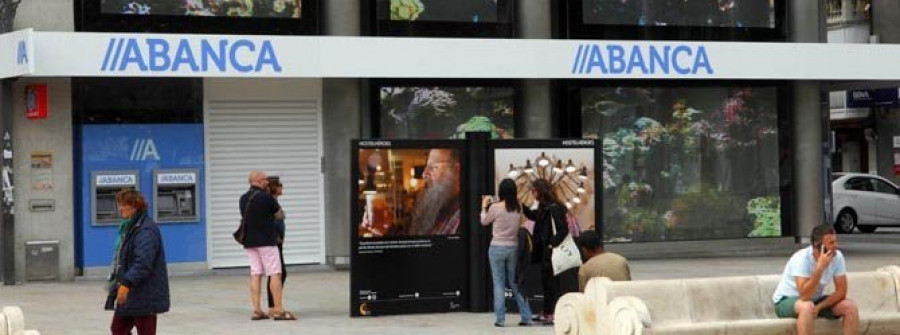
pixel 341 118
pixel 536 108
pixel 809 122
pixel 52 135
pixel 884 20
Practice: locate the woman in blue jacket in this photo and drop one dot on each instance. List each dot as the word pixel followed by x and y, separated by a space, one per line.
pixel 138 281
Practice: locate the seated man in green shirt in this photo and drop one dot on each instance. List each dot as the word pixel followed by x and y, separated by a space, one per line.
pixel 599 263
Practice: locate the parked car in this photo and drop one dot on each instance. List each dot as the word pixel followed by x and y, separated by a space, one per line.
pixel 865 202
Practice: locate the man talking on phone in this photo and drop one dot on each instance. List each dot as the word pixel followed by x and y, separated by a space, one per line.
pixel 800 294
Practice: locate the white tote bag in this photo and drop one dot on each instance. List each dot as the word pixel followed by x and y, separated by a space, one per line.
pixel 566 255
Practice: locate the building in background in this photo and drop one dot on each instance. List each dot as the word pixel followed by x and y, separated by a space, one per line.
pixel 685 161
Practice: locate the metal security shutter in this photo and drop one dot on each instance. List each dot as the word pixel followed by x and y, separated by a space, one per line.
pixel 282 138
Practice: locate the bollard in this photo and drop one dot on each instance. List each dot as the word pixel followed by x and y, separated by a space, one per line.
pixel 15 321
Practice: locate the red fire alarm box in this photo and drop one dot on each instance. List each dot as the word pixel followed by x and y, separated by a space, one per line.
pixel 36 101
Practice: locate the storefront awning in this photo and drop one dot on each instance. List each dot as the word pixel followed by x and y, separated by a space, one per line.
pixel 71 54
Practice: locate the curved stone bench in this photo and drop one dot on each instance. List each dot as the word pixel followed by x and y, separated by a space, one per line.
pixel 12 322
pixel 724 305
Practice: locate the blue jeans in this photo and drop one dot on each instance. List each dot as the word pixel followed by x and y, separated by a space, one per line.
pixel 503 271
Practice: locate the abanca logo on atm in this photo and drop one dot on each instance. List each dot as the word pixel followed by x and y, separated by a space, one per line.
pixel 157 55
pixel 650 60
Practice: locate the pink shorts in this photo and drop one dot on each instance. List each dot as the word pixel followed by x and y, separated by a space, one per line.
pixel 264 258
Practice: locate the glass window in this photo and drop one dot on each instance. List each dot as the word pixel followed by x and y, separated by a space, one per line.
pixel 684 13
pixel 686 163
pixel 446 112
pixel 137 100
pixel 883 187
pixel 474 11
pixel 235 8
pixel 260 17
pixel 859 184
pixel 440 18
pixel 681 20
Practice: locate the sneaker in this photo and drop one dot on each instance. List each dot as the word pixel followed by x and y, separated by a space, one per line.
pixel 497 324
pixel 525 324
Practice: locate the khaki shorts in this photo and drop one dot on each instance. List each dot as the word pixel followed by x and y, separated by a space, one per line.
pixel 785 308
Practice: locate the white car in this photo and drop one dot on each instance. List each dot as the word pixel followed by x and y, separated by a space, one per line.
pixel 864 201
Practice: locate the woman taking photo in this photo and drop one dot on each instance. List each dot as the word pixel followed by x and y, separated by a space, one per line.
pixel 138 281
pixel 505 215
pixel 545 212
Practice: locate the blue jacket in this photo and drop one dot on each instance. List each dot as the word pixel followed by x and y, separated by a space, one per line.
pixel 142 268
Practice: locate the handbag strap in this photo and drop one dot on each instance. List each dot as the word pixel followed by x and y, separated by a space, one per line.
pixel 552 221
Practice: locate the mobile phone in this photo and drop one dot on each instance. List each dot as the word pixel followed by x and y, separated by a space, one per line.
pixel 822 248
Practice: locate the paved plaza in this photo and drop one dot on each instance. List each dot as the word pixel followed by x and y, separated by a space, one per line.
pixel 218 303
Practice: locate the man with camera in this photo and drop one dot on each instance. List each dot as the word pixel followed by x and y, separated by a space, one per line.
pixel 800 294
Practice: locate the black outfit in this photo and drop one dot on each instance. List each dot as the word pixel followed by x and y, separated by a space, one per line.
pixel 259 218
pixel 142 268
pixel 544 239
pixel 280 228
pixel 524 250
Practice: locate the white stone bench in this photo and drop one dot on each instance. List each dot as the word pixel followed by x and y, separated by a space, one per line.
pixel 724 305
pixel 12 322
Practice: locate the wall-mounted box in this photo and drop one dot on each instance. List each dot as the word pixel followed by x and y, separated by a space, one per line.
pixel 41 260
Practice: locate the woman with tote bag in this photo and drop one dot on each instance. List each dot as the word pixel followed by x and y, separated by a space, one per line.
pixel 550 230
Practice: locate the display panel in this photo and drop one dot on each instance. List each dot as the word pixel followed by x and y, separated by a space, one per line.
pixel 685 13
pixel 234 8
pixel 263 17
pixel 570 167
pixel 409 253
pixel 474 11
pixel 435 112
pixel 410 192
pixel 686 163
pixel 569 171
pixel 440 18
pixel 700 20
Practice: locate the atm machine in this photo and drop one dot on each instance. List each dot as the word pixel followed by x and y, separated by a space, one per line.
pixel 104 186
pixel 175 195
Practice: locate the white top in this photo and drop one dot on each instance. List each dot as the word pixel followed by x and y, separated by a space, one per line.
pixel 802 264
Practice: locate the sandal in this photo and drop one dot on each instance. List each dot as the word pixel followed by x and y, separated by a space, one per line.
pixel 284 316
pixel 258 315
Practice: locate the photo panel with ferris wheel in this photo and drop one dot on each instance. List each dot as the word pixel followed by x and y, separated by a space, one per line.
pixel 569 166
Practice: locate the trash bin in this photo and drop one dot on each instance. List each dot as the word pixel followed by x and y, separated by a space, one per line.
pixel 41 260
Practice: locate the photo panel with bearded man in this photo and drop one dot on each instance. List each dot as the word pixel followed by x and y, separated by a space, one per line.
pixel 409 192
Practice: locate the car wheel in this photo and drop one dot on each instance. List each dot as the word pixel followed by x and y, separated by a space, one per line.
pixel 867 229
pixel 845 222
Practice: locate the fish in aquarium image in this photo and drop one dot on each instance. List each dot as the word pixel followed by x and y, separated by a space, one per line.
pixel 480 124
pixel 475 11
pixel 233 8
pixel 446 112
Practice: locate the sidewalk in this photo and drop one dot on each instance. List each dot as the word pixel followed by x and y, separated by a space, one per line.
pixel 218 304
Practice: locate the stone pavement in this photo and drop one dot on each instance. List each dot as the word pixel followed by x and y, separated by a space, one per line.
pixel 218 303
